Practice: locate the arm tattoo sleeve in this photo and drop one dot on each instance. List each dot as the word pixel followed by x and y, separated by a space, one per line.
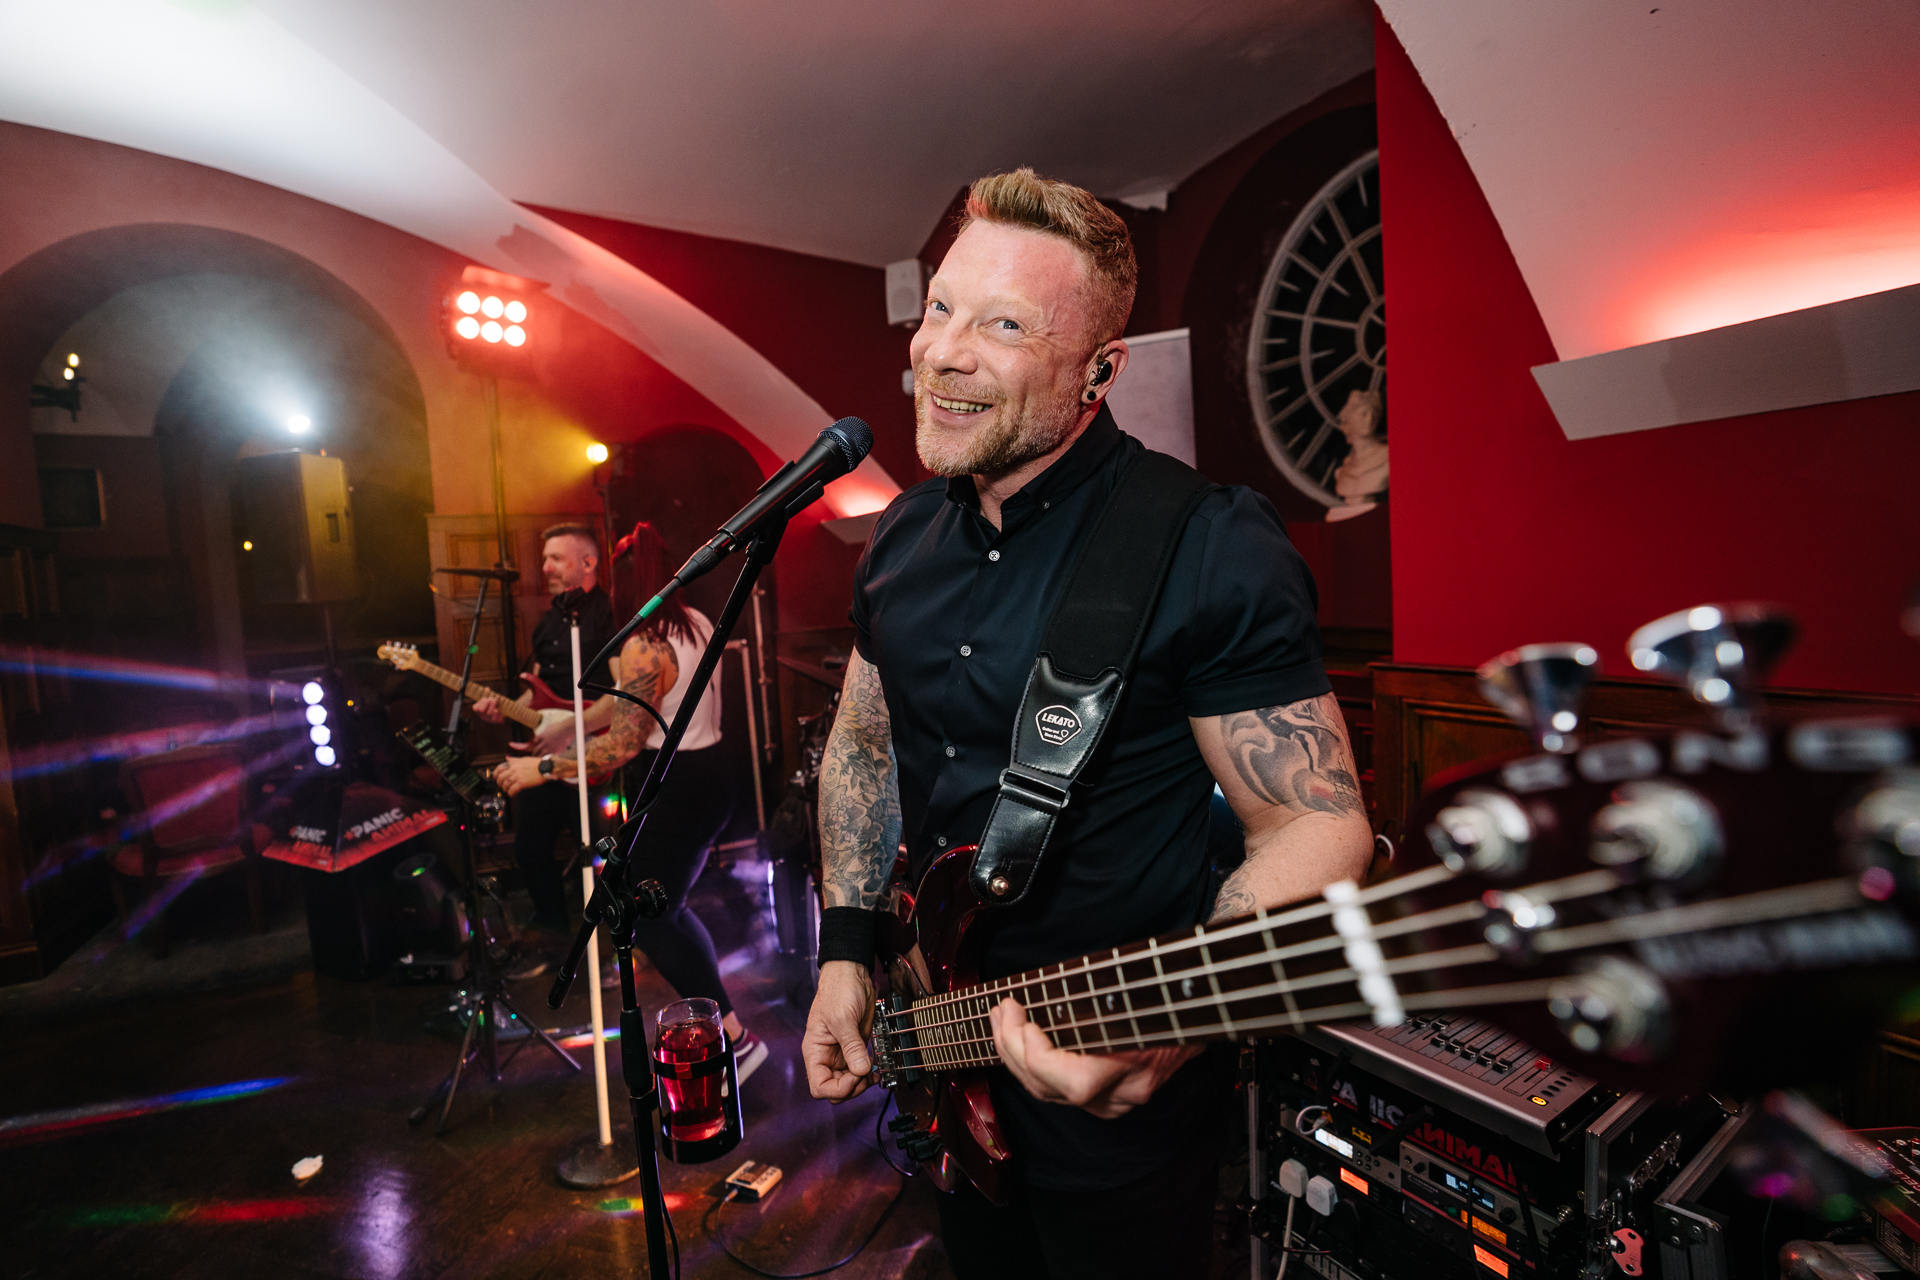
pixel 1295 756
pixel 647 663
pixel 1235 898
pixel 859 795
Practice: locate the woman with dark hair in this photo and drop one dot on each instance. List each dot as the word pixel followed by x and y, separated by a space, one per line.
pixel 656 664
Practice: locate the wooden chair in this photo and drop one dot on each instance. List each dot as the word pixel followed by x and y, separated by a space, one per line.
pixel 191 804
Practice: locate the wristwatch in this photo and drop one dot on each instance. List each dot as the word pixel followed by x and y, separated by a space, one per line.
pixel 546 766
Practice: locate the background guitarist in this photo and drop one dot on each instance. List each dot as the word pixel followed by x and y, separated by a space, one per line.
pixel 570 559
pixel 1016 352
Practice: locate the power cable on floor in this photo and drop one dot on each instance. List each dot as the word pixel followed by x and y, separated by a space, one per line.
pixel 710 1223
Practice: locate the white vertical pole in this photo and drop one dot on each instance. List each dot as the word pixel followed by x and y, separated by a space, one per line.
pixel 586 886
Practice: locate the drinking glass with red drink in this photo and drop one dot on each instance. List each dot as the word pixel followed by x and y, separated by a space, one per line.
pixel 688 1032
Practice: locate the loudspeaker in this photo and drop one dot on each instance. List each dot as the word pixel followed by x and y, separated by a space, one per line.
pixel 907 291
pixel 298 517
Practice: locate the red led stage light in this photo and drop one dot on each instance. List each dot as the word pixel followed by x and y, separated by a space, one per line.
pixel 493 320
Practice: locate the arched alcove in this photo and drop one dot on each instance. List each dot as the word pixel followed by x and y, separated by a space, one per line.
pixel 201 346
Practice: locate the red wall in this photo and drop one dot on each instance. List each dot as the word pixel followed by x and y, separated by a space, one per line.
pixel 822 323
pixel 1505 532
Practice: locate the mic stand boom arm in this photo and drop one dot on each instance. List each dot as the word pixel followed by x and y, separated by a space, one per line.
pixel 619 906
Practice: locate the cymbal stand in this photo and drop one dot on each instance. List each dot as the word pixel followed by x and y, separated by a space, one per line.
pixel 483 995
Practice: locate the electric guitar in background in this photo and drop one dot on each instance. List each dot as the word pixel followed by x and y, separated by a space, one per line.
pixel 1659 908
pixel 542 709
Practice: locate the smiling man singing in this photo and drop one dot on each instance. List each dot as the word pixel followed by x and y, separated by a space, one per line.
pixel 1117 1153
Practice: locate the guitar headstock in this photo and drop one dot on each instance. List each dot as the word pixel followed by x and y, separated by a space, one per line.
pixel 404 656
pixel 1675 909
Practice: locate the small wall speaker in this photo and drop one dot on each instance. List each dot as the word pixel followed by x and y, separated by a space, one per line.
pixel 907 290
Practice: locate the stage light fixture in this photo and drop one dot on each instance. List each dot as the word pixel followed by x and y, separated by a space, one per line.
pixel 324 757
pixel 316 714
pixel 246 546
pixel 320 735
pixel 596 453
pixel 312 693
pixel 73 361
pixel 299 424
pixel 490 320
pixel 67 373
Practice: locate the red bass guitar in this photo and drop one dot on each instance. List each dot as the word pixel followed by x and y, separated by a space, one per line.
pixel 1628 903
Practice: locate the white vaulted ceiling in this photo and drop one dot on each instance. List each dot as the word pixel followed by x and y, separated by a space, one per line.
pixel 839 127
pixel 835 127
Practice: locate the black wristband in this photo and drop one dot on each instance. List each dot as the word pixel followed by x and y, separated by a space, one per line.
pixel 846 933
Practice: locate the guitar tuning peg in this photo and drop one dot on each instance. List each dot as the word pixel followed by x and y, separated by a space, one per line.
pixel 1539 687
pixel 1719 652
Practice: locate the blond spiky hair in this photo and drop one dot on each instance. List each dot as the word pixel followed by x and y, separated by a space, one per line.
pixel 1025 199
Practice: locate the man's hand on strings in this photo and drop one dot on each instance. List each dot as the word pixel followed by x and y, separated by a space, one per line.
pixel 488 709
pixel 552 738
pixel 1105 1084
pixel 834 1047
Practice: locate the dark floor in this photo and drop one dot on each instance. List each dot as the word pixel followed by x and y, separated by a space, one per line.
pixel 106 1171
pixel 148 1185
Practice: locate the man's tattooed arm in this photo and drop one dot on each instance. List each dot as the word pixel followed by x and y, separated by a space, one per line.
pixel 648 672
pixel 859 794
pixel 1295 756
pixel 1277 765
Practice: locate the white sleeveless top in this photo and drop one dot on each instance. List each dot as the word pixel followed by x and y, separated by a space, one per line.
pixel 704 729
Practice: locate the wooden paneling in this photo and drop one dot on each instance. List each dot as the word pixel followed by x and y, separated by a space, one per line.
pixel 1428 719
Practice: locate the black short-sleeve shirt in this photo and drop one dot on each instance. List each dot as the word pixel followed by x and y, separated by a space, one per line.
pixel 553 646
pixel 951 611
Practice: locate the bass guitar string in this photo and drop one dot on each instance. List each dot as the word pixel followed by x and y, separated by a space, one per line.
pixel 1501 993
pixel 1585 884
pixel 1771 904
pixel 1412 882
pixel 1479 953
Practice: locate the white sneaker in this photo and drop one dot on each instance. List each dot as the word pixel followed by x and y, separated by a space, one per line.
pixel 749 1051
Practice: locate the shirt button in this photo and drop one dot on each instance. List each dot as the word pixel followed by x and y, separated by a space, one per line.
pixel 951 753
pixel 993 555
pixel 941 841
pixel 966 651
pixel 1045 505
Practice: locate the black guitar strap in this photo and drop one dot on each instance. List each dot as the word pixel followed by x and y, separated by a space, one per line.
pixel 1086 657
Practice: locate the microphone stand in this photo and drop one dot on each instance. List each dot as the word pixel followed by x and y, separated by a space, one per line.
pixel 619 905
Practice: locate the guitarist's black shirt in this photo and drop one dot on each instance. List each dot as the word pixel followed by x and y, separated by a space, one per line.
pixel 951 612
pixel 553 647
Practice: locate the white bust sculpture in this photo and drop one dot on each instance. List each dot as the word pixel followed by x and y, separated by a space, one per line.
pixel 1362 479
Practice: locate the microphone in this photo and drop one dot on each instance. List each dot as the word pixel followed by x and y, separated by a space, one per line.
pixel 787 491
pixel 836 451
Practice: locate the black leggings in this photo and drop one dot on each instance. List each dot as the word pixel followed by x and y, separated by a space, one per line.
pixel 680 831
